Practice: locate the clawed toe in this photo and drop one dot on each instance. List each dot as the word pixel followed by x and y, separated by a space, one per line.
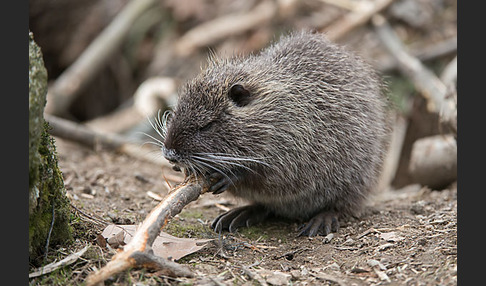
pixel 220 182
pixel 240 217
pixel 321 224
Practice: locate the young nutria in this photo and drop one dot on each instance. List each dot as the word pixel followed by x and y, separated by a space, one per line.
pixel 299 130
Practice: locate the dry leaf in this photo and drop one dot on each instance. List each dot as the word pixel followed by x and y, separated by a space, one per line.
pixel 165 245
pixel 117 240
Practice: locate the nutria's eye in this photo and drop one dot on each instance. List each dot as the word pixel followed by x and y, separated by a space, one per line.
pixel 207 126
pixel 239 95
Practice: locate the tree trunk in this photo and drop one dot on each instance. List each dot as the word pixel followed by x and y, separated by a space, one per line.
pixel 48 204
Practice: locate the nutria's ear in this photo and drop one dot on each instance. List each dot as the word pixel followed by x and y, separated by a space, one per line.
pixel 239 95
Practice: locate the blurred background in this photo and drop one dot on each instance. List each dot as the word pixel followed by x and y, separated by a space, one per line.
pixel 112 63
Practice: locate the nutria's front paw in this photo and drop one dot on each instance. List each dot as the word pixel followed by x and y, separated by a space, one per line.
pixel 219 182
pixel 323 223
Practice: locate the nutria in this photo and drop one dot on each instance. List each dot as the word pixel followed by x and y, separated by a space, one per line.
pixel 299 130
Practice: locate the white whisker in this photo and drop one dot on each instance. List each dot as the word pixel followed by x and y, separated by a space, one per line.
pixel 153 143
pixel 157 141
pixel 217 170
pixel 221 162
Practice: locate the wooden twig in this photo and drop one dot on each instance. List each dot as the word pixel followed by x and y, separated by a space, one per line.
pixel 65 89
pixel 445 47
pixel 436 50
pixel 117 121
pixel 138 252
pixel 223 27
pixel 354 19
pixel 392 159
pixel 69 130
pixel 449 78
pixel 431 87
pixel 92 219
pixel 56 265
pixel 449 74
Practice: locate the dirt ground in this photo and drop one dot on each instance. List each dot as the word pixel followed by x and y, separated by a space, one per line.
pixel 406 236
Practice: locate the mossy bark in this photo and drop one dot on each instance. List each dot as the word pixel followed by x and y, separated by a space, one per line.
pixel 48 204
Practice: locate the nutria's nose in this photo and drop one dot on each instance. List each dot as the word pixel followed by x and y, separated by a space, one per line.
pixel 170 155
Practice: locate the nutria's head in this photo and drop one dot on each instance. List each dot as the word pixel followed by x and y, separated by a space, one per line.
pixel 212 127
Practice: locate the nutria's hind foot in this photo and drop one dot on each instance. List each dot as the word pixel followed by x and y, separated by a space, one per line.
pixel 238 217
pixel 323 223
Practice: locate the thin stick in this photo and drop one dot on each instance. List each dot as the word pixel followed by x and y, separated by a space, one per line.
pixel 449 77
pixel 138 252
pixel 431 87
pixel 56 265
pixel 355 19
pixel 449 74
pixel 211 31
pixel 96 220
pixel 87 66
pixel 436 50
pixel 69 130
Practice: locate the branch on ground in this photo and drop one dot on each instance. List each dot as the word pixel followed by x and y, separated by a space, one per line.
pixel 138 252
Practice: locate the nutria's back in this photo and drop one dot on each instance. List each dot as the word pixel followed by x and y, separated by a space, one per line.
pixel 299 128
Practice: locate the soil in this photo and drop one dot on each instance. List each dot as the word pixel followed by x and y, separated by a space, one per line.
pixel 405 237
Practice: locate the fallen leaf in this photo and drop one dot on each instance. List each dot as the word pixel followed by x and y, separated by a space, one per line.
pixel 165 245
pixel 117 240
pixel 101 241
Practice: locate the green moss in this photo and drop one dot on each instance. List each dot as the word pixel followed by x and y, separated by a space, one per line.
pixel 186 230
pixel 192 214
pixel 52 197
pixel 268 230
pixel 188 226
pixel 399 90
pixel 37 101
pixel 62 276
pixel 254 232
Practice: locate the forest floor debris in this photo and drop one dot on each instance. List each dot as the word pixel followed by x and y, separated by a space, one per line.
pixel 406 236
